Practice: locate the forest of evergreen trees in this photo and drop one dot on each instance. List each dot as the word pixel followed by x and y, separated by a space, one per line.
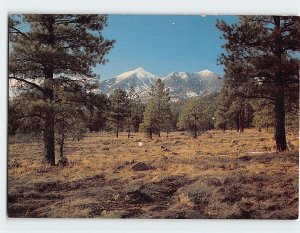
pixel 260 85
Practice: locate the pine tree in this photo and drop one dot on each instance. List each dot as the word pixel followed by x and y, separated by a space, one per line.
pixel 261 62
pixel 161 99
pixel 176 108
pixel 158 111
pixel 210 106
pixel 119 105
pixel 191 116
pixel 52 46
pixel 150 123
pixel 221 114
pixel 97 107
pixel 137 115
pixel 263 114
pixel 70 112
pixel 134 116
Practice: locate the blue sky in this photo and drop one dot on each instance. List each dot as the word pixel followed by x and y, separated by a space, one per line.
pixel 162 44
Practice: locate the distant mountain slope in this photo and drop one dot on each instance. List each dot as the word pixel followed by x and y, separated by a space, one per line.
pixel 185 85
pixel 182 85
pixel 139 78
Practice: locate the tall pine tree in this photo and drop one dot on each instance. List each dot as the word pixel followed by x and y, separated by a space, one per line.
pixel 119 109
pixel 44 47
pixel 262 61
pixel 157 115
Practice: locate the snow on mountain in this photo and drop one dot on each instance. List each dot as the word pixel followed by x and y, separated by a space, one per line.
pixel 181 85
pixel 139 73
pixel 205 73
pixel 186 85
pixel 139 79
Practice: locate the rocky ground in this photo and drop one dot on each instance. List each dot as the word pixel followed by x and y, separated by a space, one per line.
pixel 218 175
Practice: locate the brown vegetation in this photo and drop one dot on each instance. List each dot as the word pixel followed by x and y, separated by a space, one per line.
pixel 219 175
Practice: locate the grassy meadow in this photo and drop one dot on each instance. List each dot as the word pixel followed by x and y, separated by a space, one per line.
pixel 219 175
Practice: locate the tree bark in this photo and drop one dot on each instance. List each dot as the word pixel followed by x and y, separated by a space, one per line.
pixel 61 148
pixel 48 138
pixel 279 111
pixel 241 121
pixel 279 121
pixel 117 130
pixel 48 133
pixel 195 131
pixel 237 123
pixel 128 135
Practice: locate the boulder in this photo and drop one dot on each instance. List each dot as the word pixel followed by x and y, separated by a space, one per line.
pixel 141 167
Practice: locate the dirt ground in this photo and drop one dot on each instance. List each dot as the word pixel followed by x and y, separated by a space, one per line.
pixel 218 175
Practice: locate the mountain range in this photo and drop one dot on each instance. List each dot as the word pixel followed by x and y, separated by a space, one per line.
pixel 182 85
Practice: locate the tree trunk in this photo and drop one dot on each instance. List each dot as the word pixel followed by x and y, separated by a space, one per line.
pixel 241 121
pixel 237 123
pixel 279 118
pixel 195 131
pixel 248 117
pixel 48 131
pixel 117 131
pixel 48 138
pixel 279 121
pixel 48 96
pixel 61 147
pixel 128 135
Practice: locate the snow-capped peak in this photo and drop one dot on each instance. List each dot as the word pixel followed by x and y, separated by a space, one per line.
pixel 182 74
pixel 205 73
pixel 140 73
pixel 181 84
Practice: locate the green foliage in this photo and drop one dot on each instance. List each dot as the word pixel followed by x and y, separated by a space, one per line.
pixel 157 115
pixel 97 107
pixel 190 116
pixel 150 123
pixel 292 122
pixel 197 115
pixel 222 118
pixel 137 115
pixel 210 106
pixel 262 61
pixel 55 50
pixel 176 108
pixel 135 112
pixel 263 117
pixel 233 111
pixel 13 122
pixel 119 109
pixel 70 111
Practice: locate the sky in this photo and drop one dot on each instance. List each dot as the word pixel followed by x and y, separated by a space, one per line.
pixel 162 44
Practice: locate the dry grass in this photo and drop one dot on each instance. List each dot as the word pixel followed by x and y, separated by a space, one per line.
pixel 218 175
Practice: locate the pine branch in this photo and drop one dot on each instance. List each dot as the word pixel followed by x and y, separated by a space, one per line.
pixel 18 32
pixel 28 82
